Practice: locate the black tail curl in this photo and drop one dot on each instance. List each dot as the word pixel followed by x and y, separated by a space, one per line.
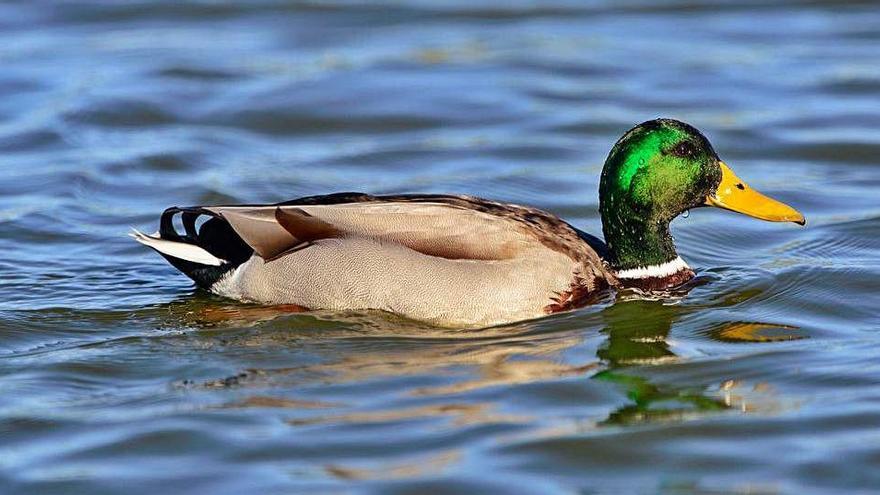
pixel 214 235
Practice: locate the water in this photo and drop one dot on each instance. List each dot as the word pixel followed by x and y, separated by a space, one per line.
pixel 118 377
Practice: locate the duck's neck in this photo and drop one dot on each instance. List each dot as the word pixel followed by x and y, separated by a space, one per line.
pixel 642 252
pixel 634 242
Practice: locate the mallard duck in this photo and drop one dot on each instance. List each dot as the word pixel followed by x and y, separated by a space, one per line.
pixel 462 260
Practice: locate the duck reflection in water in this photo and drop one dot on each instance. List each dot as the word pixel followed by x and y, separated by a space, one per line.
pixel 637 334
pixel 359 347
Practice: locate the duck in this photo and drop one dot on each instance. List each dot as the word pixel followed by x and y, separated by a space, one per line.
pixel 457 260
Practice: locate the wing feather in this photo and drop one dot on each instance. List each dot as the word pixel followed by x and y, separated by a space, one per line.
pixel 435 229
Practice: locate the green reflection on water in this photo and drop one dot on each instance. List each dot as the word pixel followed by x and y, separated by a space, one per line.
pixel 637 334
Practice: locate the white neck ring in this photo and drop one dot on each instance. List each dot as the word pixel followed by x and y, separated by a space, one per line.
pixel 655 271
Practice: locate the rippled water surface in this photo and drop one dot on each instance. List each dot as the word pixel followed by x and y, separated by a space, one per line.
pixel 116 376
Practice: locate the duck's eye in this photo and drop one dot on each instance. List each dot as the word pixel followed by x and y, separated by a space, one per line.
pixel 684 149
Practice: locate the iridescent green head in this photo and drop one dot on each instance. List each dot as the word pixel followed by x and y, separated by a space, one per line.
pixel 658 170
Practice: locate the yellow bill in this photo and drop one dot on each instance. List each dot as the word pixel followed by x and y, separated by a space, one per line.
pixel 735 195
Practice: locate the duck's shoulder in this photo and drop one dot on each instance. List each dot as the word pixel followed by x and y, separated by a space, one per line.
pixel 591 275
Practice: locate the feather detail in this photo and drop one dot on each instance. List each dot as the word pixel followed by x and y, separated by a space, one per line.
pixel 305 227
pixel 179 250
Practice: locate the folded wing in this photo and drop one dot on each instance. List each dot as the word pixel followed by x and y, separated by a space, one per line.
pixel 434 228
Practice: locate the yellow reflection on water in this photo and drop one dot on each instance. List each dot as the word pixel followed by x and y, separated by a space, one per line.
pixel 756 332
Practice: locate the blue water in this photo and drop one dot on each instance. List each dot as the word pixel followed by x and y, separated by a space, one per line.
pixel 116 376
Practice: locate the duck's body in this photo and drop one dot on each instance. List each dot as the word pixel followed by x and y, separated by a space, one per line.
pixel 448 260
pixel 452 260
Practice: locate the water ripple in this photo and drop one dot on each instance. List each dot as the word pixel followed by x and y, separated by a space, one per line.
pixel 118 376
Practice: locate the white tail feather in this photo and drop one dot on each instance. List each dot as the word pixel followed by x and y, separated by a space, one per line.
pixel 180 250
